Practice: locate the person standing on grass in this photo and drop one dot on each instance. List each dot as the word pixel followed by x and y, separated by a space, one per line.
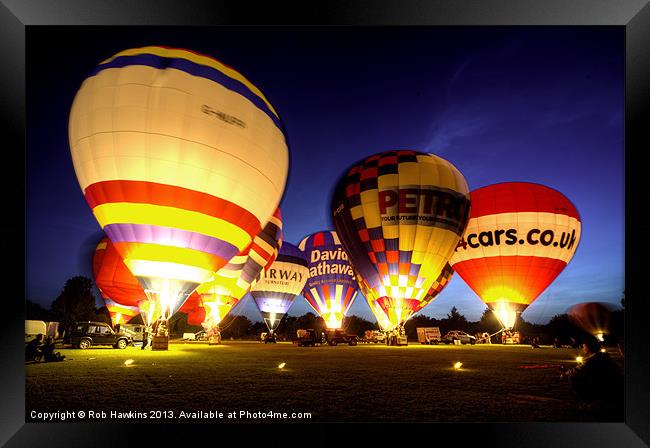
pixel 145 337
pixel 488 338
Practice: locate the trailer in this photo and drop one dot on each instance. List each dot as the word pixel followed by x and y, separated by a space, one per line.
pixel 429 335
pixel 308 338
pixel 34 328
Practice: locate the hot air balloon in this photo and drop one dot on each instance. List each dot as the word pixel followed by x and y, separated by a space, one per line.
pixel 520 236
pixel 120 314
pixel 115 282
pixel 196 316
pixel 280 284
pixel 331 286
pixel 192 303
pixel 113 278
pixel 399 215
pixel 593 317
pixel 182 161
pixel 119 288
pixel 231 283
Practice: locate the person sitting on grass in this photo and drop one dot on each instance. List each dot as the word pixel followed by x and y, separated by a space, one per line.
pixel 48 352
pixel 598 380
pixel 33 350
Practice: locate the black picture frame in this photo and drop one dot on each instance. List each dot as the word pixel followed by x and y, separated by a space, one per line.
pixel 633 15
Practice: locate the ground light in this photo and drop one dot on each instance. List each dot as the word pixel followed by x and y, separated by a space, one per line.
pixel 458 365
pixel 128 362
pixel 281 365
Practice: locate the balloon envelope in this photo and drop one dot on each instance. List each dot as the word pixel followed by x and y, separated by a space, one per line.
pixel 113 278
pixel 231 283
pixel 520 236
pixel 196 316
pixel 117 283
pixel 280 284
pixel 331 286
pixel 182 161
pixel 593 317
pixel 399 215
pixel 120 314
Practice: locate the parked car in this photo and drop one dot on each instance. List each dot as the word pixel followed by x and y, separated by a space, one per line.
pixel 86 334
pixel 461 336
pixel 373 336
pixel 201 336
pixel 335 337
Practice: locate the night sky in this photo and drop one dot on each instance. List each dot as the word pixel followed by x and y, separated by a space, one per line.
pixel 538 104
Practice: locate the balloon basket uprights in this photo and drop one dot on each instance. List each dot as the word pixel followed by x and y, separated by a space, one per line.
pixel 397 337
pixel 160 343
pixel 160 340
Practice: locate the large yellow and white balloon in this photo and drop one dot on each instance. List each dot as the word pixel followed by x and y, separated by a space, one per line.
pixel 182 161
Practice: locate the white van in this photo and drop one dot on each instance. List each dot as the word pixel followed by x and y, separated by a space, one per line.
pixel 135 331
pixel 33 328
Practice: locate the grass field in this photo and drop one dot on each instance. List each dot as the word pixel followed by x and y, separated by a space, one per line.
pixel 356 384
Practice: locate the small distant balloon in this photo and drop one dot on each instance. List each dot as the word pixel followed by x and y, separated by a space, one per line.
pixel 593 317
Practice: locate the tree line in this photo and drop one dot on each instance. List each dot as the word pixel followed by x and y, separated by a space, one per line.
pixel 76 302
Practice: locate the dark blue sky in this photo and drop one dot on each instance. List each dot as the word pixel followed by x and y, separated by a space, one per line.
pixel 537 104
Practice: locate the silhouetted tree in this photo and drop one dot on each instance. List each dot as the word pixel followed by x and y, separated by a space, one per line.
pixel 357 325
pixel 454 321
pixel 417 321
pixel 102 315
pixel 489 322
pixel 178 325
pixel 235 327
pixel 75 303
pixel 35 311
pixel 529 330
pixel 561 327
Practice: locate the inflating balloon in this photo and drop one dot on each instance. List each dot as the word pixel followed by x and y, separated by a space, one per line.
pixel 182 161
pixel 196 316
pixel 115 281
pixel 519 238
pixel 280 284
pixel 399 215
pixel 231 283
pixel 593 317
pixel 120 314
pixel 113 278
pixel 331 286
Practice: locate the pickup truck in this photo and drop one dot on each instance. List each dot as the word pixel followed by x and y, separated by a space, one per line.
pixel 335 337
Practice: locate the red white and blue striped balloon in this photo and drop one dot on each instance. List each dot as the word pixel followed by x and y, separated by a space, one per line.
pixel 331 287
